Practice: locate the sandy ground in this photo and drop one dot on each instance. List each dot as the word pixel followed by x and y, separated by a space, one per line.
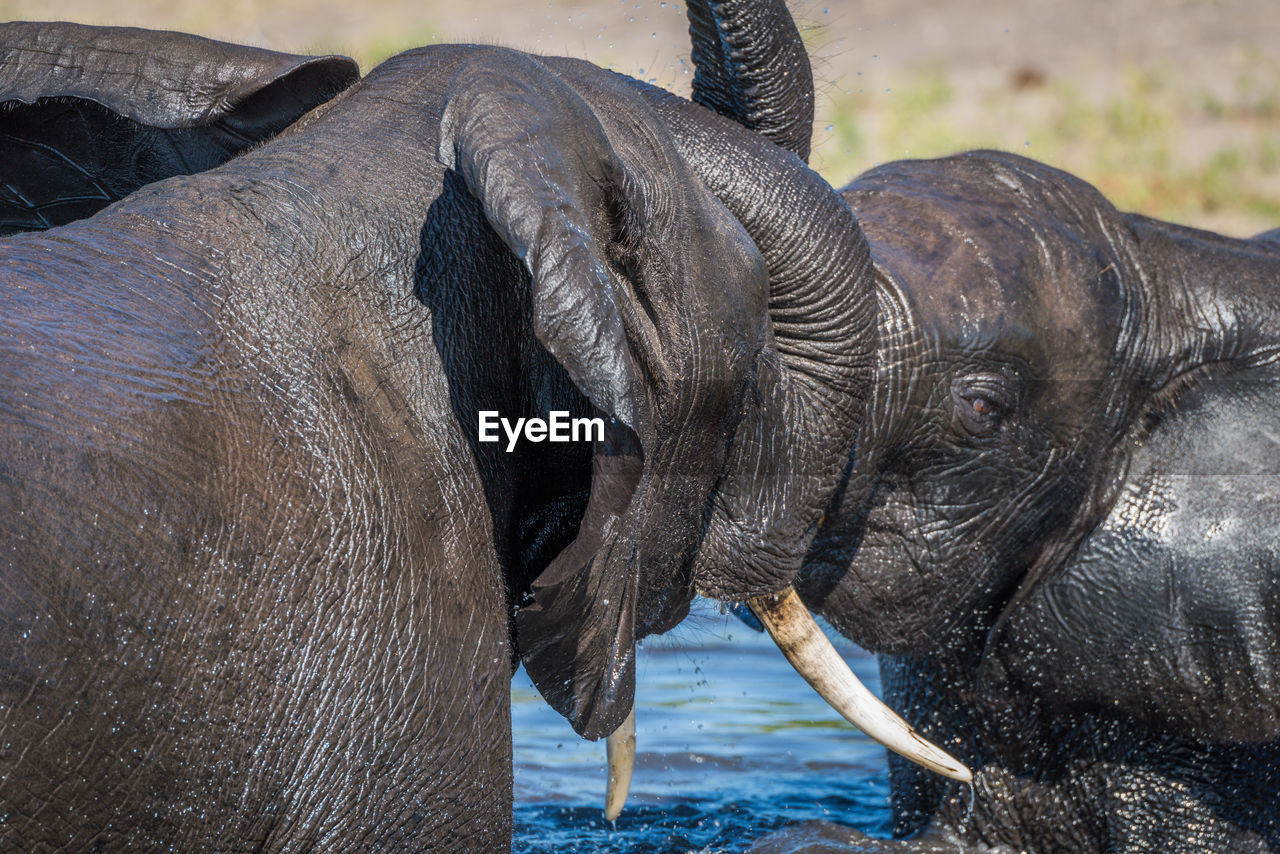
pixel 1203 37
pixel 1007 66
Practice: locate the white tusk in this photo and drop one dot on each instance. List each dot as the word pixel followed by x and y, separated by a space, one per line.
pixel 796 633
pixel 620 748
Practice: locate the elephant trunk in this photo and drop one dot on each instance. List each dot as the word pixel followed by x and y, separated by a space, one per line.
pixel 812 380
pixel 751 66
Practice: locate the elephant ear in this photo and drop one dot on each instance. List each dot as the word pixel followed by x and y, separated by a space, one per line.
pixel 1167 610
pixel 90 114
pixel 626 253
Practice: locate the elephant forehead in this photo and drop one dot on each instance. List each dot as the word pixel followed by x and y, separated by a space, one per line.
pixel 1004 288
pixel 983 267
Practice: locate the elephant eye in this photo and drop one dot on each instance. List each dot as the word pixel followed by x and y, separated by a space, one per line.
pixel 982 406
pixel 981 402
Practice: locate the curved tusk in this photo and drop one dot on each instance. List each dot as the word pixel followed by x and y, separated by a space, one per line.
pixel 796 633
pixel 620 748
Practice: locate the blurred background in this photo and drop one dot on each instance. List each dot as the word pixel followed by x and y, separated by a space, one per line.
pixel 1170 107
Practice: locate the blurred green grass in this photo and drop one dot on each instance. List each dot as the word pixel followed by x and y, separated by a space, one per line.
pixel 1209 158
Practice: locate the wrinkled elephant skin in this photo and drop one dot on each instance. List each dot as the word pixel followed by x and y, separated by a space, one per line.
pixel 265 587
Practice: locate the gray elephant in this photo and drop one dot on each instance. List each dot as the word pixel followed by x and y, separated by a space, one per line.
pixel 1059 527
pixel 266 580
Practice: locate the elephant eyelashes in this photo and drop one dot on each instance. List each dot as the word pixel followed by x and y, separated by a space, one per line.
pixel 981 403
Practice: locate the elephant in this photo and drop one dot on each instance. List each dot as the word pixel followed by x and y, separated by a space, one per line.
pixel 1058 525
pixel 266 580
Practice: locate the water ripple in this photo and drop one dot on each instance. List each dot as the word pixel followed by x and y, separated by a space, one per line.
pixel 731 744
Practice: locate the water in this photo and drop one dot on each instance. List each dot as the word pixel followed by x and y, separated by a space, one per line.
pixel 730 745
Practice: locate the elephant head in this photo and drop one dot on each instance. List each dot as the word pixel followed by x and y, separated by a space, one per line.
pixel 724 491
pixel 1070 528
pixel 90 114
pixel 1008 304
pixel 761 496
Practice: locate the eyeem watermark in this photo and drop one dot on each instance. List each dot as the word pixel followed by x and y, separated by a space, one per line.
pixel 558 427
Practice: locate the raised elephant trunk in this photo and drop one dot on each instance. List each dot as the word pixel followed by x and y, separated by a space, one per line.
pixel 751 66
pixel 813 378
